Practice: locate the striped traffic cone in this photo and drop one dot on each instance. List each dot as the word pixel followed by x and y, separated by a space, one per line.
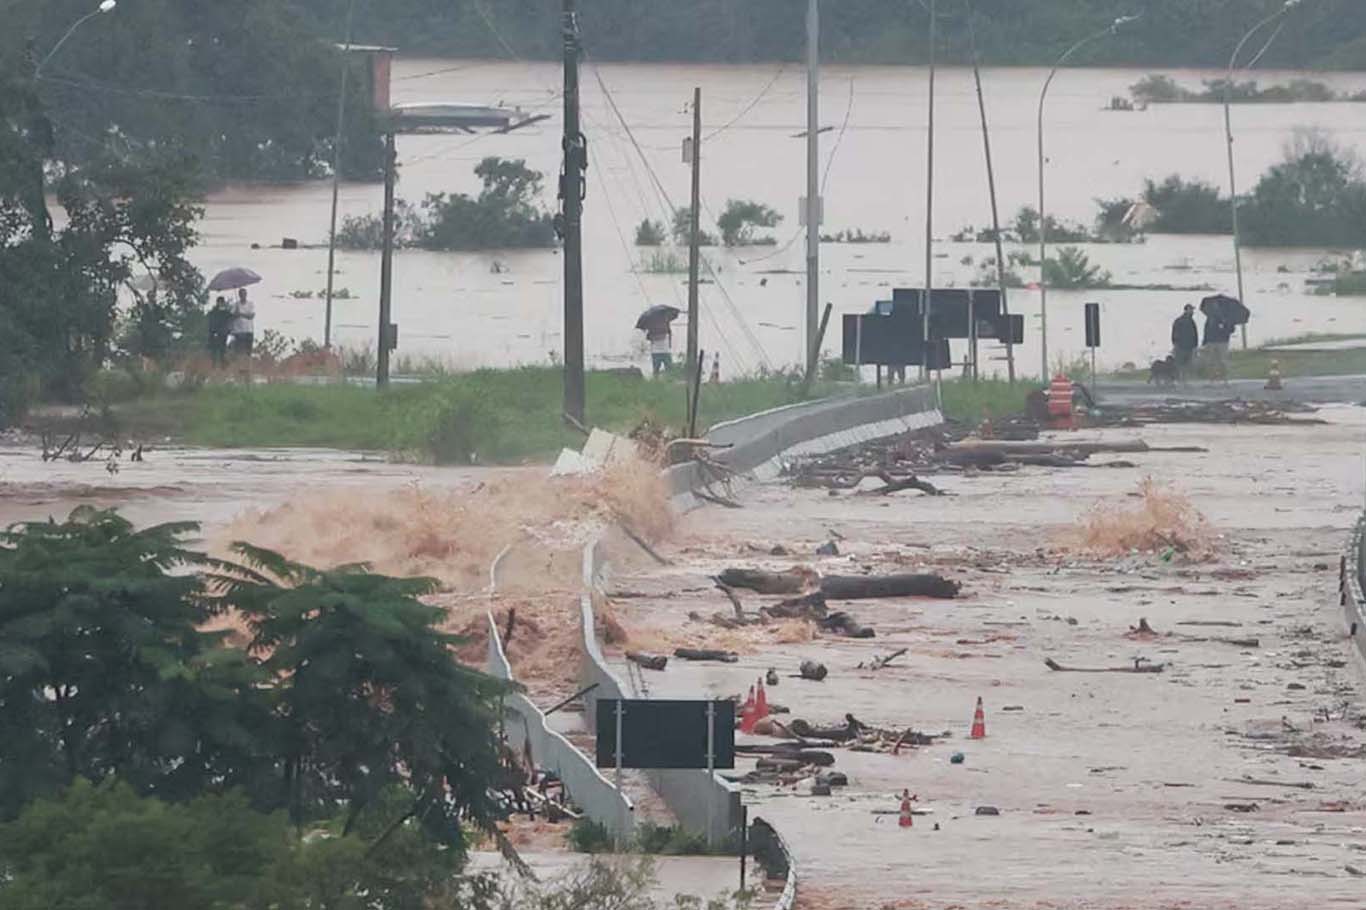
pixel 760 701
pixel 979 722
pixel 748 716
pixel 907 818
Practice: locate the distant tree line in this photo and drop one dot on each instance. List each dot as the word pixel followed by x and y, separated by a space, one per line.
pixel 1323 34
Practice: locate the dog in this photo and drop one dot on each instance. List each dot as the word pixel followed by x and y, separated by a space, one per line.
pixel 1163 371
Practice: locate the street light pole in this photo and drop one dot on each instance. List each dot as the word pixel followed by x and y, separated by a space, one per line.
pixel 105 7
pixel 337 141
pixel 1228 135
pixel 813 186
pixel 1043 212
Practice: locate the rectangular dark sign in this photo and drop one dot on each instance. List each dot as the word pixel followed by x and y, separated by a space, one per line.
pixel 661 734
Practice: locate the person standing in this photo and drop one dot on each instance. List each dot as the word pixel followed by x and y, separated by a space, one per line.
pixel 220 325
pixel 243 326
pixel 661 341
pixel 1185 341
pixel 1218 330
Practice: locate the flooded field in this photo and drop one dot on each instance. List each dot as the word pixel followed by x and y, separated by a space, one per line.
pixel 1228 781
pixel 459 309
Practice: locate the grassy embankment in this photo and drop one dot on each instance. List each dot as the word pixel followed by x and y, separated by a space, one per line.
pixel 1256 362
pixel 492 416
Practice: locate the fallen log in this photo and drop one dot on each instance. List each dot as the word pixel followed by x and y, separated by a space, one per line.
pixel 700 654
pixel 898 484
pixel 790 582
pixel 648 661
pixel 812 606
pixel 877 663
pixel 865 587
pixel 1140 666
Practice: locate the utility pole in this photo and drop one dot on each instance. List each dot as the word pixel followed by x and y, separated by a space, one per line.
pixel 695 236
pixel 813 185
pixel 926 302
pixel 386 271
pixel 337 142
pixel 572 186
pixel 991 190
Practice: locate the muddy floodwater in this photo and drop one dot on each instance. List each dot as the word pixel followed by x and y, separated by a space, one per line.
pixel 1231 780
pixel 463 310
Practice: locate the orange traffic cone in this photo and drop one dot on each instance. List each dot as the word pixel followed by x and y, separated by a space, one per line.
pixel 907 816
pixel 748 715
pixel 979 722
pixel 760 701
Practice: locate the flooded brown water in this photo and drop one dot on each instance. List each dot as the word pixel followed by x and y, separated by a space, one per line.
pixel 456 308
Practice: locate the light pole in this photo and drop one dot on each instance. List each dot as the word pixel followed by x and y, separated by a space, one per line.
pixel 1113 28
pixel 105 6
pixel 1228 135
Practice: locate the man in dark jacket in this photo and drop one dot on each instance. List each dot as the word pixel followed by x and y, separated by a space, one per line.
pixel 1219 328
pixel 1185 341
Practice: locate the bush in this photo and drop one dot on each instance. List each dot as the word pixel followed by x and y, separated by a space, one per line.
pixel 1072 269
pixel 588 836
pixel 456 425
pixel 649 233
pixel 1156 89
pixel 669 840
pixel 682 230
pixel 1026 228
pixel 1187 207
pixel 741 218
pixel 664 262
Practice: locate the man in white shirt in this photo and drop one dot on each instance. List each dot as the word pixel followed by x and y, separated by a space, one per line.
pixel 661 348
pixel 243 325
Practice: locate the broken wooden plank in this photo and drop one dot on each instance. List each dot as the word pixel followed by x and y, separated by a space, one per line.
pixel 701 654
pixel 866 587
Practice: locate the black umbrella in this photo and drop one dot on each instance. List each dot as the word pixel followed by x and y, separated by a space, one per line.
pixel 232 279
pixel 657 316
pixel 1230 308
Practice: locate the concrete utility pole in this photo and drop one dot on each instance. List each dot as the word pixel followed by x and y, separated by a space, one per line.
pixel 572 188
pixel 694 237
pixel 813 180
pixel 926 303
pixel 337 143
pixel 1228 135
pixel 386 271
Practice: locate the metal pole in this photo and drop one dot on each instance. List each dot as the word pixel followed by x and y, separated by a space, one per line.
pixel 926 304
pixel 744 843
pixel 991 189
pixel 813 187
pixel 386 270
pixel 1043 211
pixel 972 332
pixel 1228 135
pixel 571 195
pixel 337 142
pixel 621 826
pixel 711 767
pixel 694 240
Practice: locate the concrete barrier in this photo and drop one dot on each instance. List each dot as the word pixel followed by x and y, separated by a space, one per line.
pixel 1351 582
pixel 759 443
pixel 587 788
pixel 703 803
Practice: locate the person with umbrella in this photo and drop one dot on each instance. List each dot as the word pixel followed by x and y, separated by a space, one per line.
pixel 1223 315
pixel 241 327
pixel 656 323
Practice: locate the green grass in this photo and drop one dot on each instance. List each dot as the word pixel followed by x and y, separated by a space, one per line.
pixel 969 402
pixel 1255 363
pixel 490 416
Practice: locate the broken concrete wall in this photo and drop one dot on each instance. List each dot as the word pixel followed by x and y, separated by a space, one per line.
pixel 1351 585
pixel 588 789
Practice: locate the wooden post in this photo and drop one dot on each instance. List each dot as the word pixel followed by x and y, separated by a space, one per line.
pixel 695 234
pixel 386 269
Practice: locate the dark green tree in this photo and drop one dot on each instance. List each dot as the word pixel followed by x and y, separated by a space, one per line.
pixel 1315 197
pixel 371 695
pixel 742 218
pixel 104 670
pixel 506 214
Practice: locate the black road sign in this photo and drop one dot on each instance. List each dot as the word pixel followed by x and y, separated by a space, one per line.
pixel 1093 325
pixel 665 734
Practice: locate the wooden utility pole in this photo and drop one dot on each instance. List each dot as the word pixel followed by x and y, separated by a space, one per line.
pixel 386 270
pixel 813 184
pixel 991 190
pixel 694 236
pixel 572 186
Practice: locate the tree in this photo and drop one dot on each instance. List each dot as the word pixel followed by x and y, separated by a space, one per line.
pixel 506 215
pixel 741 218
pixel 681 229
pixel 1187 207
pixel 104 670
pixel 1315 197
pixel 649 233
pixel 1073 269
pixel 370 694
